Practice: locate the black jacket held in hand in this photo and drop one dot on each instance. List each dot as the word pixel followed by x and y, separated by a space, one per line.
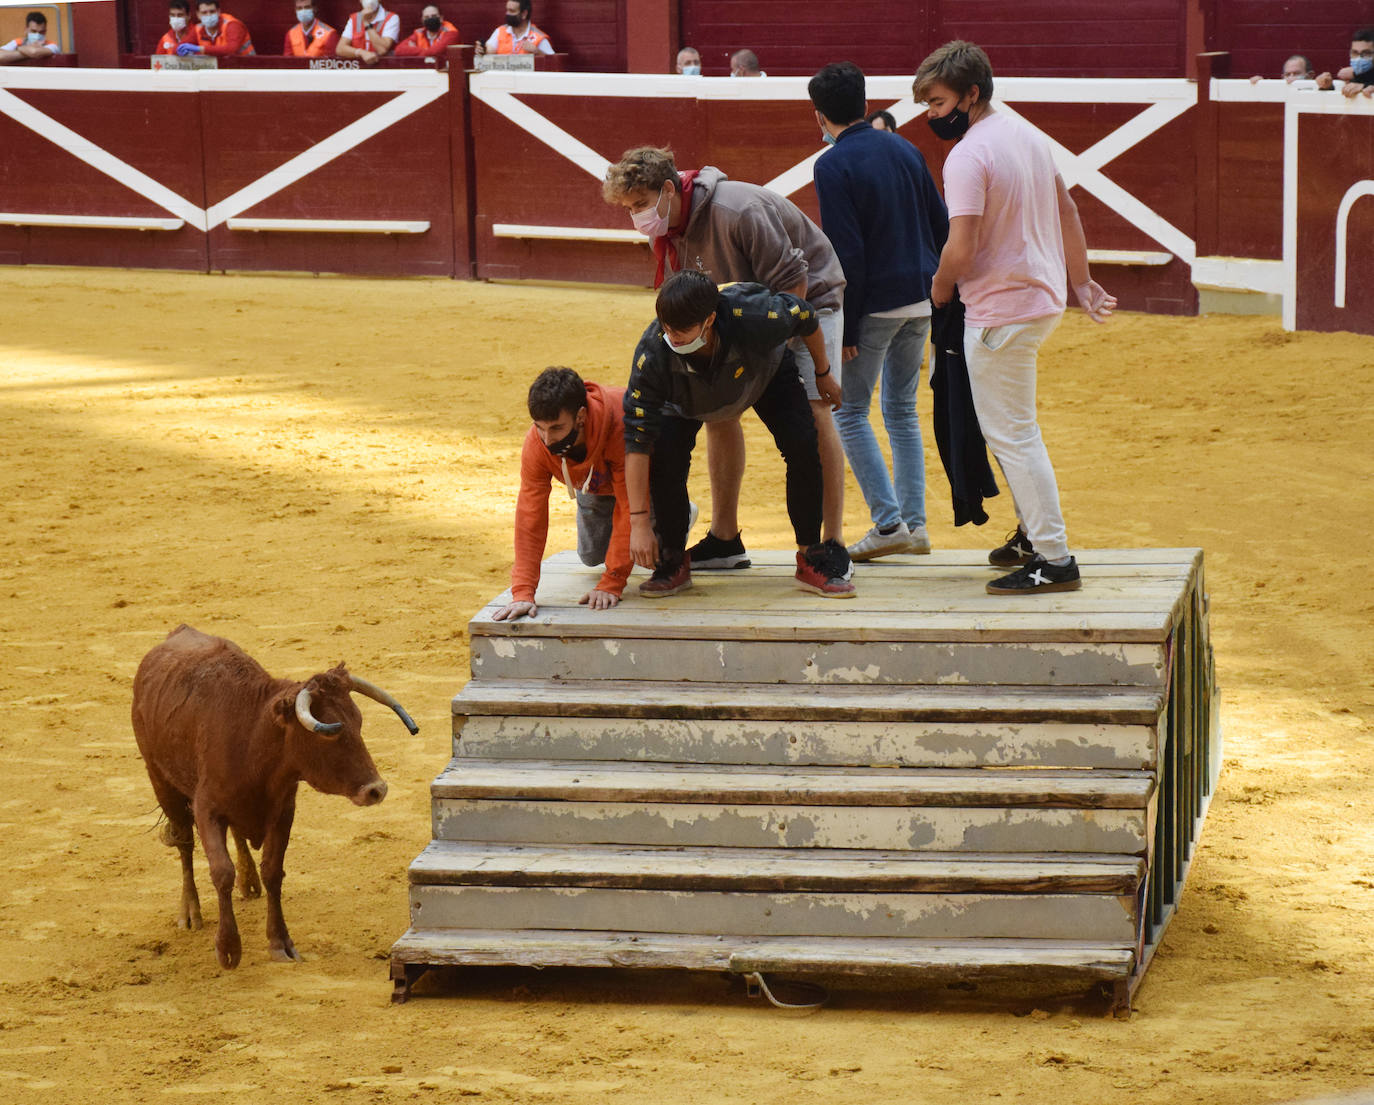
pixel 957 433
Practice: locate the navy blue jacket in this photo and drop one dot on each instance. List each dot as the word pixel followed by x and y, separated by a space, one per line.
pixel 882 213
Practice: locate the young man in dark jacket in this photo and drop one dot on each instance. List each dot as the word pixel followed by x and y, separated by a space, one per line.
pixel 710 354
pixel 887 222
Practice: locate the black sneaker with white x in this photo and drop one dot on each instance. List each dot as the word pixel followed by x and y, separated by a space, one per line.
pixel 1037 576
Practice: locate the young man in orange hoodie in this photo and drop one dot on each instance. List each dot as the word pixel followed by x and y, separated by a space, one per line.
pixel 578 439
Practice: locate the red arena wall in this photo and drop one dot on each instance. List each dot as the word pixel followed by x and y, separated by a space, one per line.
pixel 1223 184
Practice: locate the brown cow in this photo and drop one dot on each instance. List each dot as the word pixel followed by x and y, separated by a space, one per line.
pixel 226 745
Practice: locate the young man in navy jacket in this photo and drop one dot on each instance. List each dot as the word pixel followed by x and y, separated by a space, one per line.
pixel 887 222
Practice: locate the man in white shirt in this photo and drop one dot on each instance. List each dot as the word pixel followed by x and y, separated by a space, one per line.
pixel 370 33
pixel 34 44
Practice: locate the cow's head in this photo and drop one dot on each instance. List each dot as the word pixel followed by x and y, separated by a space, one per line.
pixel 323 728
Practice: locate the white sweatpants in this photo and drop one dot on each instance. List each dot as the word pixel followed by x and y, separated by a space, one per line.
pixel 1001 372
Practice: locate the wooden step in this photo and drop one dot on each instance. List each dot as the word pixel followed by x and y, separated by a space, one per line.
pixel 1046 916
pixel 919 961
pixel 601 698
pixel 710 784
pixel 818 663
pixel 899 743
pixel 465 863
pixel 915 828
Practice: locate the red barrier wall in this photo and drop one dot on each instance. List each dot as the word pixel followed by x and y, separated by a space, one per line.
pixel 157 133
pixel 506 170
pixel 1262 34
pixel 1335 163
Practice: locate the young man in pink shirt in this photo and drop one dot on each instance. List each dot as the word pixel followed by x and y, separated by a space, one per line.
pixel 1013 229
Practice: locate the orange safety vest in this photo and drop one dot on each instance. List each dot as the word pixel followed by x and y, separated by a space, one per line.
pixel 529 41
pixel 358 40
pixel 420 45
pixel 169 42
pixel 298 47
pixel 204 38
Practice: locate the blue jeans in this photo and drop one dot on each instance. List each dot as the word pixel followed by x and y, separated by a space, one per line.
pixel 893 348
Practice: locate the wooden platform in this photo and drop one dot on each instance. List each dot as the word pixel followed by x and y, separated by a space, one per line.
pixel 926 782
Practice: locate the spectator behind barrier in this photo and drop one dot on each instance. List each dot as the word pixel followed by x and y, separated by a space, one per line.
pixel 431 38
pixel 218 34
pixel 881 120
pixel 519 35
pixel 34 46
pixel 370 33
pixel 1296 70
pixel 689 61
pixel 745 63
pixel 180 27
pixel 310 37
pixel 1359 74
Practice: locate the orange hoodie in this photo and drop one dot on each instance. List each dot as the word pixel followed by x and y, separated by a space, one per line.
pixel 601 473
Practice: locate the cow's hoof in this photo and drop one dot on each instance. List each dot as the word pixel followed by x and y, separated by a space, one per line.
pixel 288 954
pixel 229 950
pixel 190 923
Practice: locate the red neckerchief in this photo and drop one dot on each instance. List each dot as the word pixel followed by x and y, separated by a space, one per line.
pixel 663 247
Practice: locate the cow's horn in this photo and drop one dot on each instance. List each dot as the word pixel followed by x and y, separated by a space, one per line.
pixel 306 718
pixel 374 692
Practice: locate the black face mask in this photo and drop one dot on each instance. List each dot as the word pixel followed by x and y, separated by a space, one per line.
pixel 514 20
pixel 433 23
pixel 564 446
pixel 950 126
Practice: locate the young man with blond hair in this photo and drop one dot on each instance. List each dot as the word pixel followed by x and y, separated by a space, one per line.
pixel 699 220
pixel 1013 230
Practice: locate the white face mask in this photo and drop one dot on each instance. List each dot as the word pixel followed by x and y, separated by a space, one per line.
pixel 305 16
pixel 210 22
pixel 689 347
pixel 691 70
pixel 178 23
pixel 370 6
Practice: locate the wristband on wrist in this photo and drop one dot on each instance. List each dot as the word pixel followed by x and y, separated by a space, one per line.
pixel 634 512
pixel 825 373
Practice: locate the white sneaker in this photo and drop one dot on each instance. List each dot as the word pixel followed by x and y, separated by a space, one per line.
pixel 919 541
pixel 873 543
pixel 692 515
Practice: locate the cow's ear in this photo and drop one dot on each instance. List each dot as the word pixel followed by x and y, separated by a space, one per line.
pixel 284 710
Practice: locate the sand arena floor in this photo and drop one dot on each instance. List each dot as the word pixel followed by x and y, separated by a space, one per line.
pixel 325 468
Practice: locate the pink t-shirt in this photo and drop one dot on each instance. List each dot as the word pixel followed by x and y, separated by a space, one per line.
pixel 1002 170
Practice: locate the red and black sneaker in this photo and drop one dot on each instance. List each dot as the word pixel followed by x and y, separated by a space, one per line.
pixel 824 570
pixel 670 577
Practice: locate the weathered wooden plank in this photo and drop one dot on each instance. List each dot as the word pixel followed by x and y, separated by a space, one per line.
pixel 757 701
pixel 1046 619
pixel 1092 917
pixel 712 784
pixel 465 863
pixel 915 960
pixel 818 664
pixel 915 828
pixel 901 744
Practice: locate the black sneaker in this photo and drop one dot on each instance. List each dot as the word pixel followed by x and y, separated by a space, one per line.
pixel 1037 576
pixel 713 553
pixel 1017 550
